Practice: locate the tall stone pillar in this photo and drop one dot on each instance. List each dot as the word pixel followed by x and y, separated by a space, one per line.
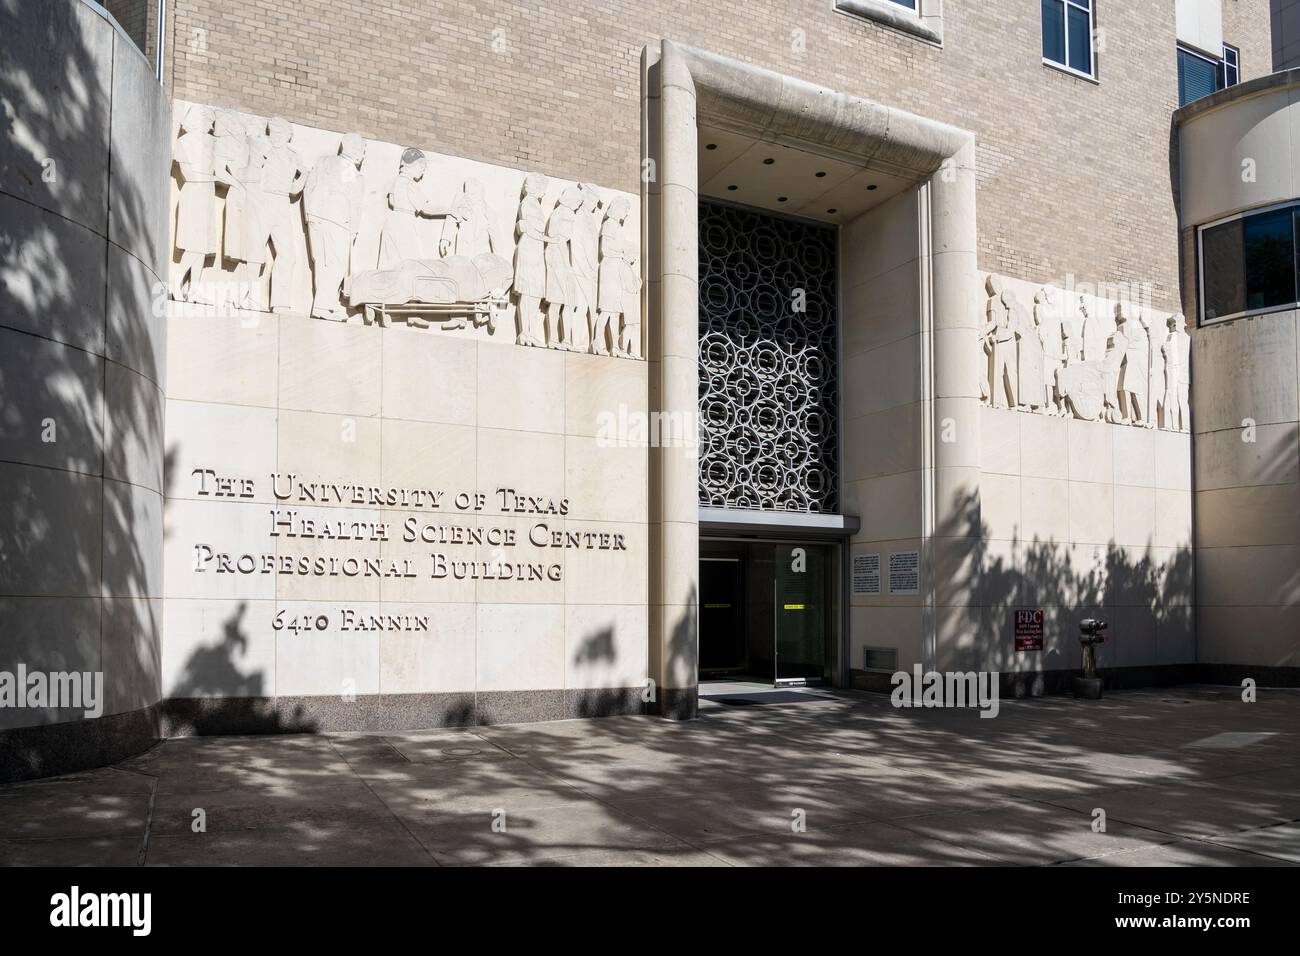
pixel 952 520
pixel 673 213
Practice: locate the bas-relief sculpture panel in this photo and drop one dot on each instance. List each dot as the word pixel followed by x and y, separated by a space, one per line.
pixel 297 220
pixel 1059 352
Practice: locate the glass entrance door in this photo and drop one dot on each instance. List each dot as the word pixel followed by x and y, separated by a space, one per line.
pixel 722 631
pixel 801 609
pixel 766 611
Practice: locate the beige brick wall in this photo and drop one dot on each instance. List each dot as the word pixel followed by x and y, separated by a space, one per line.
pixel 1074 176
pixel 1247 26
pixel 139 18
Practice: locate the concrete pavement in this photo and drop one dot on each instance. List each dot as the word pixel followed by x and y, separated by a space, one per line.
pixel 1188 776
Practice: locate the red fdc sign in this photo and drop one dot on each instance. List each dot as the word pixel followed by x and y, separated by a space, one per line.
pixel 1029 629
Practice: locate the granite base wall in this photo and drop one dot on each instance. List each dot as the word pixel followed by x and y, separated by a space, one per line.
pixel 50 749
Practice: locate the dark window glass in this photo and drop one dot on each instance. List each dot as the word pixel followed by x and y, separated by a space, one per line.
pixel 1224 291
pixel 1080 40
pixel 910 4
pixel 1250 264
pixel 1269 244
pixel 1197 77
pixel 1067 34
pixel 1054 30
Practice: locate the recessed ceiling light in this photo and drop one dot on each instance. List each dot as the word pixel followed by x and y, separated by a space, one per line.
pixel 712 146
pixel 733 188
pixel 769 161
pixel 781 198
pixel 871 188
pixel 821 173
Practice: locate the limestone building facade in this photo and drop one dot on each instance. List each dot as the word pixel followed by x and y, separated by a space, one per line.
pixel 407 365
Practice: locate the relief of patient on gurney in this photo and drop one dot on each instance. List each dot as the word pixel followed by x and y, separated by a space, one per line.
pixel 571 272
pixel 467 282
pixel 307 232
pixel 450 291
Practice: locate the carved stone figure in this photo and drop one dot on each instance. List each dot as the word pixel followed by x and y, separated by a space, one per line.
pixel 1086 387
pixel 1000 334
pixel 1113 364
pixel 195 158
pixel 239 157
pixel 530 260
pixel 1176 351
pixel 1156 382
pixel 561 286
pixel 617 275
pixel 467 230
pixel 399 238
pixel 255 224
pixel 1029 353
pixel 585 255
pixel 986 347
pixel 283 177
pixel 629 340
pixel 1051 330
pixel 230 156
pixel 332 197
pixel 1085 323
pixel 1072 345
pixel 1135 377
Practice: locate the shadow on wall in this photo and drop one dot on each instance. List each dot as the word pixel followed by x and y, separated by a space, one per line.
pixel 597 648
pixel 683 663
pixel 1140 594
pixel 211 671
pixel 81 357
pixel 214 695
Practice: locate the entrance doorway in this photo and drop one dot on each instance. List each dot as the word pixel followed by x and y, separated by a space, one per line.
pixel 766 611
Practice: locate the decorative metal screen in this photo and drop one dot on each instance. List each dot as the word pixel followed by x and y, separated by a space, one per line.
pixel 769 381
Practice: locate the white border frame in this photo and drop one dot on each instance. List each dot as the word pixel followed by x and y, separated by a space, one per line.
pixel 1223 65
pixel 1201 320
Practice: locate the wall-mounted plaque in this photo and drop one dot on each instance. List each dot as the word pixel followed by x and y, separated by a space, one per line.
pixel 866 574
pixel 1029 629
pixel 905 572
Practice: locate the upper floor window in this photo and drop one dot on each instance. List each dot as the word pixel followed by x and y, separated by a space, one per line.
pixel 922 18
pixel 1248 264
pixel 1200 75
pixel 1067 35
pixel 1231 66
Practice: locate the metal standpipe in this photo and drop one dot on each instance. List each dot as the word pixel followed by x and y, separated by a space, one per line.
pixel 1091 633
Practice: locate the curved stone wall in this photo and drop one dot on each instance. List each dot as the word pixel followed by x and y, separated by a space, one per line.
pixel 84 151
pixel 1238 153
